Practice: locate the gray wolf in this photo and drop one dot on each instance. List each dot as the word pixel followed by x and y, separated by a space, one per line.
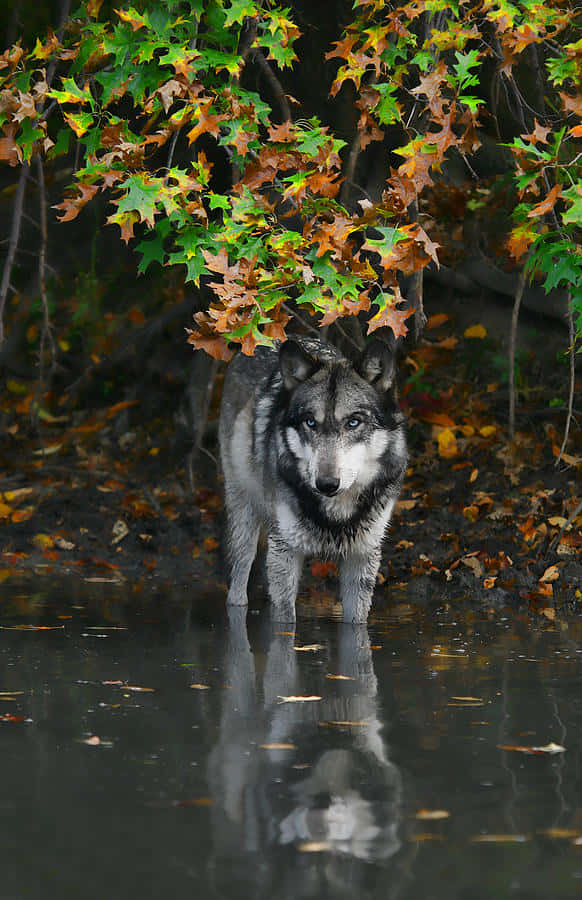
pixel 313 451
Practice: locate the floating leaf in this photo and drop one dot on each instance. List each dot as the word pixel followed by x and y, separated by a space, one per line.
pixel 277 746
pixel 550 748
pixel 432 815
pixel 298 698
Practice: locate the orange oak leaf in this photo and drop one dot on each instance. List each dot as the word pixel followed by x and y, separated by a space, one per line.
pixel 214 344
pixel 547 204
pixel 72 206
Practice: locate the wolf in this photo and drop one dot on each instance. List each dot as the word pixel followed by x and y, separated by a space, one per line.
pixel 313 451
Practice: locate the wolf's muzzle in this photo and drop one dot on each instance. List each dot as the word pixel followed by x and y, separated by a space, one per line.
pixel 328 485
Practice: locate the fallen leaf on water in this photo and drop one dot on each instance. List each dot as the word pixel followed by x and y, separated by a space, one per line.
pixel 432 815
pixel 500 838
pixel 340 723
pixel 549 748
pixel 298 698
pixel 63 544
pixel 198 801
pixel 426 837
pixel 314 846
pixel 32 627
pixel 562 833
pixel 310 648
pixel 277 746
pixel 210 544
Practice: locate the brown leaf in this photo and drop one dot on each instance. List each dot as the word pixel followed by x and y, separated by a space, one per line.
pixel 547 204
pixel 550 748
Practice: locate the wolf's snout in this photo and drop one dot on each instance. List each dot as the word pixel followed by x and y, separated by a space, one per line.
pixel 328 485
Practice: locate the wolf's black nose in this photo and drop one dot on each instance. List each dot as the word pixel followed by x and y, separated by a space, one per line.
pixel 327 485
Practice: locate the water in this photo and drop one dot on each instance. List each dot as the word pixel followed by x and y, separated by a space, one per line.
pixel 149 747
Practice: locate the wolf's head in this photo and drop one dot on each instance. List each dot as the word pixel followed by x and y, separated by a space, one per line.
pixel 341 422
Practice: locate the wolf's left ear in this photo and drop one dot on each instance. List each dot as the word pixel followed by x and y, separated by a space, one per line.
pixel 296 363
pixel 376 365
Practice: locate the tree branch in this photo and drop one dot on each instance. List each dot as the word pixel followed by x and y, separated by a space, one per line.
pixel 13 245
pixel 572 337
pixel 512 343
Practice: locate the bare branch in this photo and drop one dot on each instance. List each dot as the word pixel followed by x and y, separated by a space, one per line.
pixel 274 84
pixel 512 343
pixel 13 245
pixel 572 352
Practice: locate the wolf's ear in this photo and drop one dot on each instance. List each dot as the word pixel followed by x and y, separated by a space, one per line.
pixel 376 365
pixel 296 364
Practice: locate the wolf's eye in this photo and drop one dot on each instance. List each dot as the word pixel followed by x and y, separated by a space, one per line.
pixel 310 422
pixel 354 422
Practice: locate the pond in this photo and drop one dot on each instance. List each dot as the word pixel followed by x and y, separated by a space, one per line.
pixel 153 747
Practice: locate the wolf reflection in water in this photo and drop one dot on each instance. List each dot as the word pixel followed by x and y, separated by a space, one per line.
pixel 331 781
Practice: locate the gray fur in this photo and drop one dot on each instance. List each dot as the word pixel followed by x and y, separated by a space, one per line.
pixel 313 451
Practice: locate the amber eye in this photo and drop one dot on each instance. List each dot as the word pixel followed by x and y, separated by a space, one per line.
pixel 310 422
pixel 354 422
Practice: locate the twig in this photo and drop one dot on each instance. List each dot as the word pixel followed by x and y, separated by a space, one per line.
pixel 201 423
pixel 512 343
pixel 13 245
pixel 568 522
pixel 572 379
pixel 415 295
pixel 350 167
pixel 46 336
pixel 173 142
pixel 274 84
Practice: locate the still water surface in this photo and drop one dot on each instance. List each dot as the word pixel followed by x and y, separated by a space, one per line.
pixel 152 748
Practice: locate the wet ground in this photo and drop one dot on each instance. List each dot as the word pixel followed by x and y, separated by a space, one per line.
pixel 151 747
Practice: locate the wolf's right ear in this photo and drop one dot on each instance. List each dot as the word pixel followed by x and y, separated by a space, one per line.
pixel 376 365
pixel 296 364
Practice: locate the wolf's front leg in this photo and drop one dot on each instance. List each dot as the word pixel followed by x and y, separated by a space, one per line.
pixel 357 581
pixel 283 570
pixel 242 538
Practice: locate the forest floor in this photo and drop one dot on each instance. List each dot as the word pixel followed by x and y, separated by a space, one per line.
pixel 479 518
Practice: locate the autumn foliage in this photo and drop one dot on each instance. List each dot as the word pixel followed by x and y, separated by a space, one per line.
pixel 136 89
